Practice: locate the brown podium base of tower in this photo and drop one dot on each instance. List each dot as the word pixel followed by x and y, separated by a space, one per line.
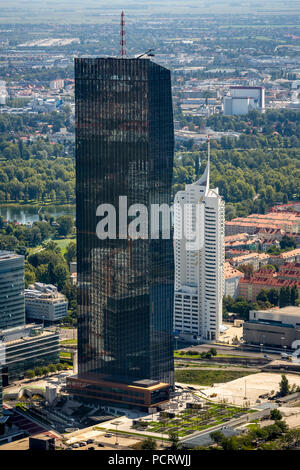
pixel 144 393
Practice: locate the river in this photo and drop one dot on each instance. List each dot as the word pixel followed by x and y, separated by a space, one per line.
pixel 29 214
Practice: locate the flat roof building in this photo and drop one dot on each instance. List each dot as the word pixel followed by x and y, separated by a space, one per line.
pixel 26 347
pixel 287 315
pixel 43 302
pixel 243 99
pixel 276 327
pixel 12 305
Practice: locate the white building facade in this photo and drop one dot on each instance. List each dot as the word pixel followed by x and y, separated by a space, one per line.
pixel 44 302
pixel 243 99
pixel 199 270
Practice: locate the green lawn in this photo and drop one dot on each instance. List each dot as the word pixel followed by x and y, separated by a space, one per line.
pixel 178 354
pixel 65 355
pixel 208 377
pixel 201 364
pixel 68 342
pixel 63 242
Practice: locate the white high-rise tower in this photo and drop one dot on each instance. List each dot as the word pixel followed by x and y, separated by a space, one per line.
pixel 199 269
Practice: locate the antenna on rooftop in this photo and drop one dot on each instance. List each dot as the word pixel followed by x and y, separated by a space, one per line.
pixel 148 53
pixel 123 35
pixel 208 148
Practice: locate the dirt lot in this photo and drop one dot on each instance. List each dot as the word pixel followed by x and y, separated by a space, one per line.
pixel 247 389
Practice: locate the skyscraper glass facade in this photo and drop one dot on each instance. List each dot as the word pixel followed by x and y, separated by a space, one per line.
pixel 124 147
pixel 12 303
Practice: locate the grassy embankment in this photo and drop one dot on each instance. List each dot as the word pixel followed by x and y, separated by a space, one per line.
pixel 208 377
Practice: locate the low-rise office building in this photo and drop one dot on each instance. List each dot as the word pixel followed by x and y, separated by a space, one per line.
pixel 276 327
pixel 25 348
pixel 279 316
pixel 43 302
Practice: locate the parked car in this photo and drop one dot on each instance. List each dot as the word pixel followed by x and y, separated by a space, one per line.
pixel 100 444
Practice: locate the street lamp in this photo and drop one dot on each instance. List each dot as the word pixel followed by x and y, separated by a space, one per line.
pixel 117 424
pixel 262 344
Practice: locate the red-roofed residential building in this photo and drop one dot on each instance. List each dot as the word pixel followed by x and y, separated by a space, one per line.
pixel 289 271
pixel 268 279
pixel 287 222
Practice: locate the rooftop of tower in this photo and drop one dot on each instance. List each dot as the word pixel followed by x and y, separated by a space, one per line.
pixel 204 180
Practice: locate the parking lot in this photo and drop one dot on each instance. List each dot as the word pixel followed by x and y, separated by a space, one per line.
pixel 99 440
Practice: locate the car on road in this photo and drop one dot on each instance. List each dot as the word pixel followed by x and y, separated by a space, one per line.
pixel 90 441
pixel 100 444
pixel 108 435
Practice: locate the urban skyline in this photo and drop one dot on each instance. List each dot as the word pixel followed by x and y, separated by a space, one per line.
pixel 149 228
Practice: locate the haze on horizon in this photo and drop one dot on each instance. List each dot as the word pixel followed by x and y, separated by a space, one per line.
pixel 93 11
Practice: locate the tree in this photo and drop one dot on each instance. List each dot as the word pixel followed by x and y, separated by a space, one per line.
pixel 149 444
pixel 29 374
pixel 217 437
pixel 247 269
pixel 45 370
pixel 273 296
pixel 262 296
pixel 52 368
pixel 294 294
pixel 29 275
pixel 52 246
pixel 284 387
pixel 65 225
pixel 275 415
pixel 70 253
pixel 60 276
pixel 287 242
pixel 284 296
pixel 230 443
pixel 174 439
pixel 38 371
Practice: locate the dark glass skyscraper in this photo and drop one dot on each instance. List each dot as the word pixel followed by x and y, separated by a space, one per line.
pixel 12 301
pixel 124 147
